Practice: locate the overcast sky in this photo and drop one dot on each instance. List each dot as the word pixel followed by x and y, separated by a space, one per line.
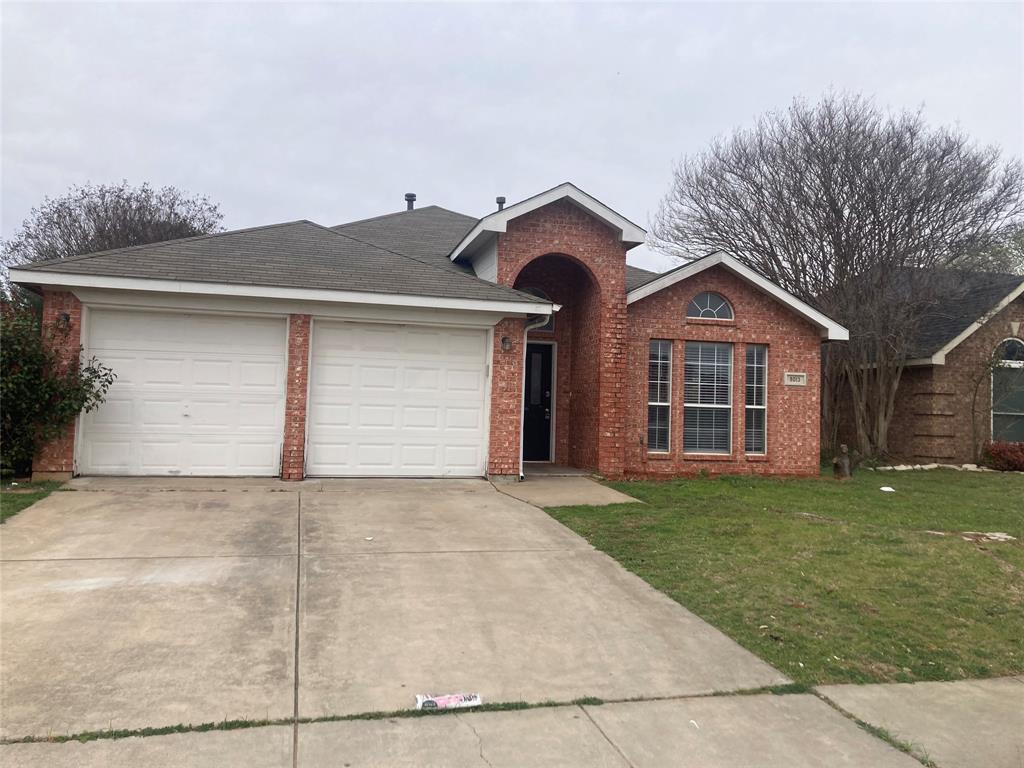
pixel 332 112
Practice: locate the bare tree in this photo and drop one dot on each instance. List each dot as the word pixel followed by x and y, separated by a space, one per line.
pixel 99 217
pixel 850 208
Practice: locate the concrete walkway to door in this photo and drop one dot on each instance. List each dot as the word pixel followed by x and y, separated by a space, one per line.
pixel 131 604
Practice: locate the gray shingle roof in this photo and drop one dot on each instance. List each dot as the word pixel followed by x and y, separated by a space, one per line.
pixel 635 277
pixel 428 234
pixel 976 294
pixel 298 254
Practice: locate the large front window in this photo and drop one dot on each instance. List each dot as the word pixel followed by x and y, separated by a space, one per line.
pixel 1008 392
pixel 707 402
pixel 659 395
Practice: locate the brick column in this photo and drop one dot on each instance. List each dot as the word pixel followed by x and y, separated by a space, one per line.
pixel 293 458
pixel 611 445
pixel 506 401
pixel 56 459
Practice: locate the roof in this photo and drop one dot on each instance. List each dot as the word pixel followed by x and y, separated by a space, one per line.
pixel 295 255
pixel 426 234
pixel 629 233
pixel 635 277
pixel 830 329
pixel 978 296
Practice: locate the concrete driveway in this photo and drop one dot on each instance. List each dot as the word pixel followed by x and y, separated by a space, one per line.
pixel 129 606
pixel 144 604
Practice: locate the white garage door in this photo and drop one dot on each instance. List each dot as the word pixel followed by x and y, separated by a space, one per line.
pixel 397 400
pixel 194 395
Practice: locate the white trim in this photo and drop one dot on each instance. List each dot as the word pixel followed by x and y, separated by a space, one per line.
pixel 629 233
pixel 554 391
pixel 830 329
pixel 939 358
pixel 65 280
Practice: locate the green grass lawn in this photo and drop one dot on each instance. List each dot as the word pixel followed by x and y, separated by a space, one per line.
pixel 14 499
pixel 835 582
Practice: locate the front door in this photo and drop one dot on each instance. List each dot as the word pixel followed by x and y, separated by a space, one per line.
pixel 537 403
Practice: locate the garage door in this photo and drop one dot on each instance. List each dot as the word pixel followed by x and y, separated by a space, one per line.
pixel 396 400
pixel 194 395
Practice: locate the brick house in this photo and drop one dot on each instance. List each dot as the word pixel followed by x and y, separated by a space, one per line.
pixel 430 343
pixel 964 384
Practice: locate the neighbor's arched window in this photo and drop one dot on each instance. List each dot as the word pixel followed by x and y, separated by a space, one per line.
pixel 1008 392
pixel 710 306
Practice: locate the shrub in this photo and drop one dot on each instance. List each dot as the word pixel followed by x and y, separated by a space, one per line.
pixel 1006 457
pixel 41 391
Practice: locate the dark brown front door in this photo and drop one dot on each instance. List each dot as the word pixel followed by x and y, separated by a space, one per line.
pixel 537 404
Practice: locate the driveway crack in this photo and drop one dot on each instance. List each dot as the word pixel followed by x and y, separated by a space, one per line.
pixel 479 739
pixel 614 746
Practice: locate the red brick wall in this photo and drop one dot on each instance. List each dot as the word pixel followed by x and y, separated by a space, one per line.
pixel 933 421
pixel 57 459
pixel 506 399
pixel 598 355
pixel 793 345
pixel 293 458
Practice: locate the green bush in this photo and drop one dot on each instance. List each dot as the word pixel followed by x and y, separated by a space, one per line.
pixel 41 393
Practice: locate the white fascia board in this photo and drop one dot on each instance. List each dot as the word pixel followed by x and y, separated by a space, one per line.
pixel 65 280
pixel 830 329
pixel 939 358
pixel 498 221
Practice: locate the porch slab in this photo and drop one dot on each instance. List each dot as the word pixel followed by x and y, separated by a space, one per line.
pixel 792 731
pixel 265 747
pixel 958 724
pixel 564 492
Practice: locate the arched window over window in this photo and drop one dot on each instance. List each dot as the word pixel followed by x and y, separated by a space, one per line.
pixel 1008 392
pixel 709 306
pixel 550 324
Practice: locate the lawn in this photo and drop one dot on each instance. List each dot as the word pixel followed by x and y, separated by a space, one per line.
pixel 14 499
pixel 835 582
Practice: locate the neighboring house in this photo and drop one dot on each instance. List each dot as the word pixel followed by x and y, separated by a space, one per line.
pixel 964 384
pixel 428 343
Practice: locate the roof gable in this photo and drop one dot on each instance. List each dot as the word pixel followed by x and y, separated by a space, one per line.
pixel 830 329
pixel 629 233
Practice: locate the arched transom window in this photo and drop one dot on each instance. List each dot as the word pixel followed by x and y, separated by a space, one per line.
pixel 710 306
pixel 1008 392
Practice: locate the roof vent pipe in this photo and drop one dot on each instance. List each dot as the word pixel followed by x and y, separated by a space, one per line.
pixel 410 200
pixel 500 201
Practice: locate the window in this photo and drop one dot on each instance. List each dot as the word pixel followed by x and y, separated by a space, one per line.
pixel 757 404
pixel 1008 392
pixel 709 306
pixel 707 398
pixel 550 324
pixel 659 395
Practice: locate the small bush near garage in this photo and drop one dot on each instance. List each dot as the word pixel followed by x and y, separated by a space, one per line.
pixel 42 392
pixel 1006 457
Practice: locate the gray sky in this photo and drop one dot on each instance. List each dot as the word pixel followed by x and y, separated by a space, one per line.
pixel 333 111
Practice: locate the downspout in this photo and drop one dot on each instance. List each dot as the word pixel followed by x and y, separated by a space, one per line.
pixel 530 325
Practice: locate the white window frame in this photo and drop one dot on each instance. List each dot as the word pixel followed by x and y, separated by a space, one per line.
pixel 726 407
pixel 763 407
pixel 992 413
pixel 725 303
pixel 668 401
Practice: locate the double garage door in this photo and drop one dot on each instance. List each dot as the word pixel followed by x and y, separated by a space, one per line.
pixel 201 394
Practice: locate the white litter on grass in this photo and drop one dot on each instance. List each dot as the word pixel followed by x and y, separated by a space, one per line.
pixel 369 538
pixel 694 724
pixel 447 701
pixel 986 536
pixel 887 489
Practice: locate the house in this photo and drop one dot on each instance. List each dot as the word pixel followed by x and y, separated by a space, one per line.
pixel 964 383
pixel 429 343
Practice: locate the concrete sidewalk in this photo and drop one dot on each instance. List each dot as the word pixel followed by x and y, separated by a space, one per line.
pixel 564 492
pixel 794 731
pixel 963 724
